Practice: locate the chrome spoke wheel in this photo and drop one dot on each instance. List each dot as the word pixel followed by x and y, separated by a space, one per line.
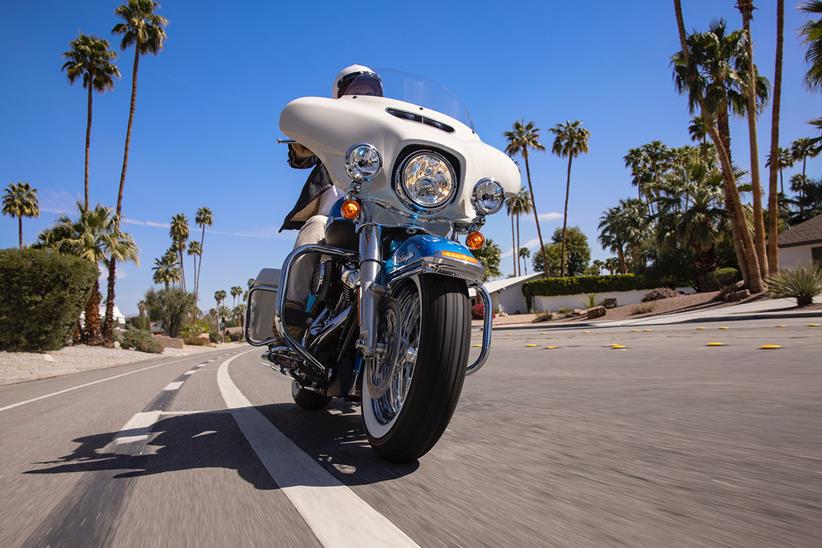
pixel 389 377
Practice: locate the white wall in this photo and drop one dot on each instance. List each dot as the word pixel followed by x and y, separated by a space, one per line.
pixel 554 303
pixel 795 256
pixel 510 300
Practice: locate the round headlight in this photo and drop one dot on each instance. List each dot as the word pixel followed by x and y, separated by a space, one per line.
pixel 488 196
pixel 362 162
pixel 427 180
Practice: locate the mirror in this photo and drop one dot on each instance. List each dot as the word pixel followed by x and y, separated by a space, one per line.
pixel 262 304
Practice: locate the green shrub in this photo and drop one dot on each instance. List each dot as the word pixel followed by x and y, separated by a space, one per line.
pixel 139 322
pixel 802 283
pixel 196 341
pixel 722 277
pixel 170 307
pixel 214 336
pixel 140 340
pixel 592 284
pixel 41 296
pixel 194 329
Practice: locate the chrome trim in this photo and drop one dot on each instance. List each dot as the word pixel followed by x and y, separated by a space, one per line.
pixel 446 266
pixel 348 162
pixel 399 187
pixel 290 341
pixel 370 290
pixel 487 324
pixel 475 200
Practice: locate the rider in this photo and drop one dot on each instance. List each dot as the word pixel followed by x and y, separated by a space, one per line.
pixel 318 195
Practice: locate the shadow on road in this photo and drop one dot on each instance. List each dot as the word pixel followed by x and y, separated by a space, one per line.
pixel 332 437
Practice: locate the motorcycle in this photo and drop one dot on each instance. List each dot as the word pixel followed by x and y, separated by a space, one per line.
pixel 389 317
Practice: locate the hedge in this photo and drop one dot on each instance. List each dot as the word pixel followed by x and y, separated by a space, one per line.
pixel 577 285
pixel 41 296
pixel 140 340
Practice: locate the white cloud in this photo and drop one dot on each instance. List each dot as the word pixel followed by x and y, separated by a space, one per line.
pixel 136 222
pixel 548 216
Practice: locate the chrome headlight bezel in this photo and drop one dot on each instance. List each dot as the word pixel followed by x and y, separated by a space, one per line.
pixel 477 200
pixel 403 195
pixel 353 166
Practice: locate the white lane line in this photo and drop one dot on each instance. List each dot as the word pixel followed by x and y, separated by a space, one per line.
pixel 79 386
pixel 336 515
pixel 190 372
pixel 137 428
pixel 173 386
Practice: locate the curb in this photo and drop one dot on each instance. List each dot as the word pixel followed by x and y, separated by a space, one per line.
pixel 739 317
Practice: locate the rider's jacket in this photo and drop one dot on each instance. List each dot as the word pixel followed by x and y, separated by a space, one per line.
pixel 318 182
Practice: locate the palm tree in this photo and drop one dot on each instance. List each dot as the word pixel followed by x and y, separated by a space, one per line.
pixel 611 265
pixel 804 148
pixel 777 154
pixel 510 207
pixel 141 308
pixel 705 69
pixel 746 8
pixel 521 139
pixel 203 218
pixel 165 270
pixel 219 296
pixel 697 131
pixel 570 140
pixel 195 250
pixel 784 159
pixel 811 33
pixel 178 230
pixel 611 236
pixel 20 200
pixel 95 238
pixel 143 29
pixel 520 204
pixel 636 161
pixel 236 291
pixel 91 58
pixel 524 253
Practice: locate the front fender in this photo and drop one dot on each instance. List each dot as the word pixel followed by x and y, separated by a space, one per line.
pixel 423 253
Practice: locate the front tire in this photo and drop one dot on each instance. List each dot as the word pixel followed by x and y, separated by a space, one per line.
pixel 406 422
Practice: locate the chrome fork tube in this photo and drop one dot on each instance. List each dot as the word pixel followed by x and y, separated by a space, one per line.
pixel 371 291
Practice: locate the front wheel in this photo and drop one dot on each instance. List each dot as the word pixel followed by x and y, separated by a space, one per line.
pixel 410 392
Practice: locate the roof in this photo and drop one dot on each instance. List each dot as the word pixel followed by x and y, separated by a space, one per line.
pixel 808 232
pixel 499 285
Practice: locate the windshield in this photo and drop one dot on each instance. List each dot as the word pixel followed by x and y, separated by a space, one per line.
pixel 411 88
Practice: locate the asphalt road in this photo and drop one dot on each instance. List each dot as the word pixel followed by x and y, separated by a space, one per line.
pixel 666 442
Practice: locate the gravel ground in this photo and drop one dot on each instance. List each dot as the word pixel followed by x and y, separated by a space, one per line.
pixel 28 366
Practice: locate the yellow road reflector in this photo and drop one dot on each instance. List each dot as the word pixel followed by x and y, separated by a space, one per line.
pixel 770 347
pixel 781 326
pixel 700 329
pixel 813 325
pixel 476 345
pixel 530 345
pixel 647 330
pixel 617 346
pixel 635 330
pixel 586 331
pixel 714 343
pixel 723 328
pixel 551 347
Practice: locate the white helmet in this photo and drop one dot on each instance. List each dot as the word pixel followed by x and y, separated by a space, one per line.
pixel 351 73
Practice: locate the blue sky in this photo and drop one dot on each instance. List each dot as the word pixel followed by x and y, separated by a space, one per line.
pixel 208 105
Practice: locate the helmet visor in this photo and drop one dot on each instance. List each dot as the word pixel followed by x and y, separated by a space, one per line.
pixel 365 83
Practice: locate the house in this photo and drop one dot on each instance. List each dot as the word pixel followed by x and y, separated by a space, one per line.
pixel 506 294
pixel 801 244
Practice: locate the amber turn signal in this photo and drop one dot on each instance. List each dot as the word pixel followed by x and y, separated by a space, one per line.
pixel 350 209
pixel 474 241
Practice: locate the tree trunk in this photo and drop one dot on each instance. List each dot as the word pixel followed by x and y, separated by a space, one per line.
pixel 88 144
pixel 621 254
pixel 182 268
pixel 534 206
pixel 90 333
pixel 742 237
pixel 514 245
pixel 750 96
pixel 20 230
pixel 773 196
pixel 199 267
pixel 516 251
pixel 565 218
pixel 108 324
